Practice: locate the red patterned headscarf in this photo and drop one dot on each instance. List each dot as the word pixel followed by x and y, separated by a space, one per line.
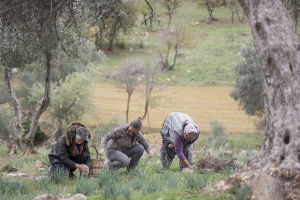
pixel 75 151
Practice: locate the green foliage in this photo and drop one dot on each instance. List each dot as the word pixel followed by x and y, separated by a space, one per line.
pixel 111 190
pixel 11 187
pixel 70 97
pixel 196 182
pixel 218 136
pixel 127 192
pixel 85 185
pixel 210 5
pixel 39 137
pixel 152 186
pixel 249 86
pixel 243 191
pixel 6 120
pixel 59 176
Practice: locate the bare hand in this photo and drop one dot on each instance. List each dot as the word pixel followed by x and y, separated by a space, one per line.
pixel 150 154
pixel 171 146
pixel 191 167
pixel 101 152
pixel 85 169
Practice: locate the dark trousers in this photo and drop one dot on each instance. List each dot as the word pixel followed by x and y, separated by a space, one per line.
pixel 80 159
pixel 120 159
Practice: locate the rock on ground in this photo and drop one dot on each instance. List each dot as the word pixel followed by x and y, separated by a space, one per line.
pixel 266 187
pixel 43 196
pixel 16 175
pixel 187 170
pixel 243 153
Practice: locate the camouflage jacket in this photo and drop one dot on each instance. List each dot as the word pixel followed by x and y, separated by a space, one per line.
pixel 119 139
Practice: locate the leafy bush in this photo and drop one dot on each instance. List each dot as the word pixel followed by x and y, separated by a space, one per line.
pixel 249 86
pixel 218 137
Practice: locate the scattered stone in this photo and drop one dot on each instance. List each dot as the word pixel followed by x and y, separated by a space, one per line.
pixel 160 199
pixel 38 164
pixel 243 153
pixel 16 175
pixel 228 153
pixel 68 195
pixel 43 196
pixel 6 168
pixel 41 169
pixel 254 152
pixel 188 71
pixel 187 170
pixel 79 196
pixel 266 187
pixel 168 80
pixel 138 80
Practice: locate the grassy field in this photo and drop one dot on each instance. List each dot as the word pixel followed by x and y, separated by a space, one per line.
pixel 201 103
pixel 147 182
pixel 217 46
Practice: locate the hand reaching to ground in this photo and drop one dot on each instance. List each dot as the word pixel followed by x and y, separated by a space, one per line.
pixel 150 154
pixel 171 146
pixel 101 152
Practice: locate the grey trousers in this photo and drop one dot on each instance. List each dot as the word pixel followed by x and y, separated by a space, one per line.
pixel 120 159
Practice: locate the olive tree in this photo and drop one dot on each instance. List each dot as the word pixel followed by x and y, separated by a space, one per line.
pixel 249 86
pixel 70 98
pixel 277 45
pixel 42 26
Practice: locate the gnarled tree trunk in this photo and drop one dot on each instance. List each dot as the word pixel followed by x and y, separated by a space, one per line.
pixel 278 48
pixel 15 138
pixel 29 138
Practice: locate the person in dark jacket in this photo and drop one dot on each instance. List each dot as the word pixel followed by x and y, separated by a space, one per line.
pixel 121 144
pixel 71 150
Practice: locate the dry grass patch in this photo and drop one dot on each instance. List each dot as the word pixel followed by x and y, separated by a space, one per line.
pixel 201 103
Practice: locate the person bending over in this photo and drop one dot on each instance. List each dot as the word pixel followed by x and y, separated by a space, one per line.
pixel 71 150
pixel 124 142
pixel 178 132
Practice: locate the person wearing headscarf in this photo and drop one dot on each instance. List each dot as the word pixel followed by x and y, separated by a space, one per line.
pixel 178 132
pixel 71 150
pixel 125 142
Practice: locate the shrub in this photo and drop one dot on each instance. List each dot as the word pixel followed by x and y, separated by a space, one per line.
pixel 218 137
pixel 249 86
